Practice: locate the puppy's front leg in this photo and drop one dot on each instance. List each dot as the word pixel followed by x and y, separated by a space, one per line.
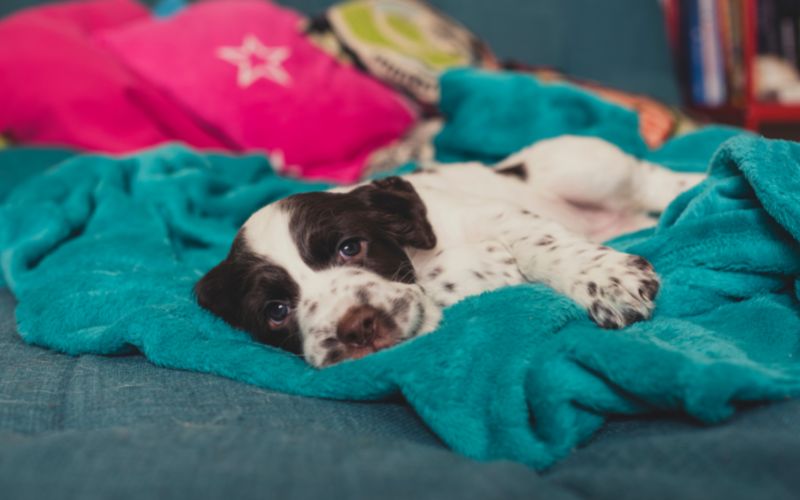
pixel 616 288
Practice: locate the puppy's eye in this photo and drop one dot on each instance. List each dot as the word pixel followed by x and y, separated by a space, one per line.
pixel 352 248
pixel 277 312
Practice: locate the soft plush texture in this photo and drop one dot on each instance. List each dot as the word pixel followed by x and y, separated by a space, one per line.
pixel 102 255
pixel 17 163
pixel 20 163
pixel 245 69
pixel 60 88
pixel 119 427
pixel 491 115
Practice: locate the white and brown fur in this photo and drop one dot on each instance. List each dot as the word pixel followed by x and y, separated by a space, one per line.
pixel 433 237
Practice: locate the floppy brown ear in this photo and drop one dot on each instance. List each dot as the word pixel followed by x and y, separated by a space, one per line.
pixel 222 290
pixel 398 208
pixel 220 293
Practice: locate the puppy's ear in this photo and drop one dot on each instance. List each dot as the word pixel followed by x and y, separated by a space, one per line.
pixel 220 292
pixel 397 207
pixel 223 289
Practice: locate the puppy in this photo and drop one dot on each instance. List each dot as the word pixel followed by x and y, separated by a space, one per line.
pixel 340 274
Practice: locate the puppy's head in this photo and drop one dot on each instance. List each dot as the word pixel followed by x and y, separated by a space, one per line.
pixel 326 275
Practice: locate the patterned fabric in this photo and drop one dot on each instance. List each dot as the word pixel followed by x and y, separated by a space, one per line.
pixel 416 146
pixel 405 43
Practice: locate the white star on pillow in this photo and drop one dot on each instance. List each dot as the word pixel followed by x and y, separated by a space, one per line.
pixel 254 60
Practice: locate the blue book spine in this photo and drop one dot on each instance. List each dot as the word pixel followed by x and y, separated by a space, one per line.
pixel 695 53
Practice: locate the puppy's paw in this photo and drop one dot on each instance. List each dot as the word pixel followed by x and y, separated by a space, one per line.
pixel 620 290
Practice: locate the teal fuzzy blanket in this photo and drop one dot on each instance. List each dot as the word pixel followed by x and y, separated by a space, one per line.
pixel 102 255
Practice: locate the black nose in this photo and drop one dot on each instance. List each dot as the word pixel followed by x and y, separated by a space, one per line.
pixel 360 325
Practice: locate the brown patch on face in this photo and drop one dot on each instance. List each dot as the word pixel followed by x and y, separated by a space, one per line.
pixel 387 215
pixel 238 290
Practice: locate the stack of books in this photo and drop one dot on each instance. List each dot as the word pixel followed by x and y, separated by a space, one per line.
pixel 708 36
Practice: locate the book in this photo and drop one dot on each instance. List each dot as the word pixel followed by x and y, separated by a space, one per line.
pixel 739 70
pixel 695 52
pixel 732 39
pixel 711 58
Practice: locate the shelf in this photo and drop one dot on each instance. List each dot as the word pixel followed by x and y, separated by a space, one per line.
pixel 763 111
pixel 752 113
pixel 774 112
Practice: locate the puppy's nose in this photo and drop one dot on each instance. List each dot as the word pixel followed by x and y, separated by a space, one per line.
pixel 360 325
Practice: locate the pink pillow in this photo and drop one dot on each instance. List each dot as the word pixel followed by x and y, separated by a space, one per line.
pixel 244 68
pixel 58 87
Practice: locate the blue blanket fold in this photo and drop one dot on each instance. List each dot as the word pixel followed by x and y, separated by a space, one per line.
pixel 490 116
pixel 102 255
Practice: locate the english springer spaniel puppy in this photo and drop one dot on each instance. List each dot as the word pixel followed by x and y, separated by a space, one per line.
pixel 340 274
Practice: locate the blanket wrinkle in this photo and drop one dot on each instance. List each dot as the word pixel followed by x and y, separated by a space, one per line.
pixel 102 254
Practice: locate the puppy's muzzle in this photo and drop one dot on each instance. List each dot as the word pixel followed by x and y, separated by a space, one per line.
pixel 364 329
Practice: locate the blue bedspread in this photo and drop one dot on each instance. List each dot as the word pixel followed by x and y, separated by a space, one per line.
pixel 102 255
